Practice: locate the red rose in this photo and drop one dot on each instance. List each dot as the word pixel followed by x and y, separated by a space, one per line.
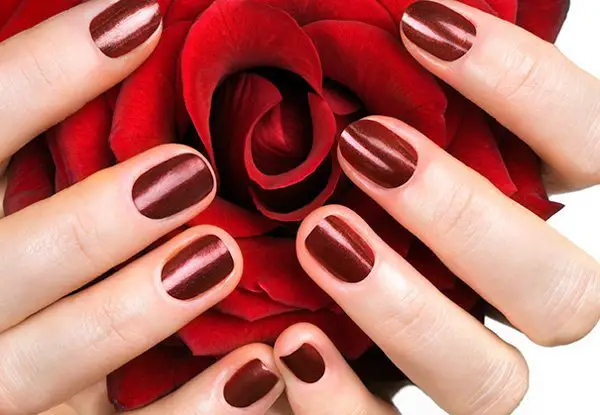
pixel 263 87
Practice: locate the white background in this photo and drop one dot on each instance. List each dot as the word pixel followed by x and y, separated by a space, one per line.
pixel 564 380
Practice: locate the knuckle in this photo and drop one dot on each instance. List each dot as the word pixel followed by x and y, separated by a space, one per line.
pixel 506 384
pixel 40 69
pixel 85 240
pixel 520 74
pixel 572 311
pixel 110 325
pixel 461 218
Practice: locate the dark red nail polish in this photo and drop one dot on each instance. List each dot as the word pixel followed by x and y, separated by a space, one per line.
pixel 249 384
pixel 172 186
pixel 125 25
pixel 306 363
pixel 378 153
pixel 342 251
pixel 197 268
pixel 438 30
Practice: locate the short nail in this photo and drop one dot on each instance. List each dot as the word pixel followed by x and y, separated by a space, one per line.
pixel 378 153
pixel 172 186
pixel 438 30
pixel 125 25
pixel 306 363
pixel 249 384
pixel 342 251
pixel 197 268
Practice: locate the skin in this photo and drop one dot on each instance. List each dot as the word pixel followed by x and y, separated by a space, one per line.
pixel 549 291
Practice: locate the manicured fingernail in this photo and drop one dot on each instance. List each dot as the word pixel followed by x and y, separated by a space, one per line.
pixel 197 268
pixel 125 25
pixel 172 186
pixel 342 251
pixel 249 384
pixel 306 363
pixel 378 153
pixel 438 30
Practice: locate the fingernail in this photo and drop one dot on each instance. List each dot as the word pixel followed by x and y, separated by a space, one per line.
pixel 125 25
pixel 197 268
pixel 172 186
pixel 342 251
pixel 249 384
pixel 438 30
pixel 306 363
pixel 378 153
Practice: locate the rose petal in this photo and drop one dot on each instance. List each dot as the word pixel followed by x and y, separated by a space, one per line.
pixel 323 133
pixel 294 203
pixel 309 11
pixel 475 145
pixel 79 144
pixel 429 265
pixel 525 170
pixel 233 219
pixel 506 9
pixel 185 10
pixel 7 9
pixel 251 306
pixel 30 176
pixel 31 12
pixel 153 375
pixel 543 18
pixel 145 116
pixel 388 228
pixel 396 86
pixel 225 40
pixel 213 333
pixel 283 279
pixel 341 100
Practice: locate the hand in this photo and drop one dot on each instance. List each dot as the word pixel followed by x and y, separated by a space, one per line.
pixel 543 284
pixel 55 344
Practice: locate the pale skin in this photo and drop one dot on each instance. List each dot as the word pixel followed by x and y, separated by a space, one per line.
pixel 549 291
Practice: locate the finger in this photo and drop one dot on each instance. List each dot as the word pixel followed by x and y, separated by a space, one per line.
pixel 317 378
pixel 246 382
pixel 53 69
pixel 58 245
pixel 463 366
pixel 545 285
pixel 522 81
pixel 81 339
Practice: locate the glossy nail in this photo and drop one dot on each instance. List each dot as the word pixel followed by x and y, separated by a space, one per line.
pixel 438 30
pixel 378 153
pixel 197 268
pixel 306 363
pixel 249 384
pixel 125 25
pixel 172 186
pixel 342 251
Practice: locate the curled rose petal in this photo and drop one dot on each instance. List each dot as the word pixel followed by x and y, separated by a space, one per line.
pixel 224 40
pixel 186 10
pixel 251 306
pixel 233 219
pixel 475 145
pixel 152 375
pixel 145 115
pixel 80 143
pixel 217 334
pixel 30 177
pixel 283 280
pixel 396 86
pixel 310 11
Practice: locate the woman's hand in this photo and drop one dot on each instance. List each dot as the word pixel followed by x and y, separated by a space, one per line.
pixel 54 345
pixel 546 287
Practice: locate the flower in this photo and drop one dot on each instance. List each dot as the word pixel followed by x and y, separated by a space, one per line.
pixel 263 87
